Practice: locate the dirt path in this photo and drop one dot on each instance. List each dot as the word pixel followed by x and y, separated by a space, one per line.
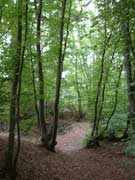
pixel 69 142
pixel 72 141
pixel 72 161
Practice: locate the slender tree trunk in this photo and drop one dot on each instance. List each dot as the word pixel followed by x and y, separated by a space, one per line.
pixel 61 55
pixel 115 102
pixel 99 87
pixel 20 83
pixel 41 78
pixel 35 91
pixel 78 92
pixel 103 93
pixel 14 96
pixel 106 41
pixel 128 70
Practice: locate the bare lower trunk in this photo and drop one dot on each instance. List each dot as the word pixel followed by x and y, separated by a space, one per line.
pixel 62 51
pixel 41 78
pixel 14 99
pixel 78 93
pixel 128 70
pixel 35 92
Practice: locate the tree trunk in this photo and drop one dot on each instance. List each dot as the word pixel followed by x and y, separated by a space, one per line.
pixel 128 70
pixel 78 92
pixel 23 48
pixel 44 140
pixel 34 90
pixel 14 98
pixel 106 42
pixel 58 78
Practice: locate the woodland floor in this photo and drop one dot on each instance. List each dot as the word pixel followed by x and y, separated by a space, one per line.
pixel 72 161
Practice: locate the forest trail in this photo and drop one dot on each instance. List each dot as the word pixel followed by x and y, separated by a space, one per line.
pixel 72 161
pixel 70 141
pixel 73 139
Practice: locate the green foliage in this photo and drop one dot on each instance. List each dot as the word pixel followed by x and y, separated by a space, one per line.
pixel 130 146
pixel 91 141
pixel 27 125
pixel 89 30
pixel 86 140
pixel 117 125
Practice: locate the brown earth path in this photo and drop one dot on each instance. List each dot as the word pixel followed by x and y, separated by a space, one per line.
pixel 72 161
pixel 73 140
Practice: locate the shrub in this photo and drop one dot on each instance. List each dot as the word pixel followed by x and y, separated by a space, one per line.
pixel 91 141
pixel 27 125
pixel 130 146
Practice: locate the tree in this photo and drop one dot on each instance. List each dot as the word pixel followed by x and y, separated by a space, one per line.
pixel 128 62
pixel 61 56
pixel 15 96
pixel 41 77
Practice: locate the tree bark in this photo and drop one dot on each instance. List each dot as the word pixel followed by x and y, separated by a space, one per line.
pixel 128 70
pixel 78 92
pixel 61 57
pixel 14 98
pixel 34 90
pixel 44 140
pixel 106 42
pixel 23 48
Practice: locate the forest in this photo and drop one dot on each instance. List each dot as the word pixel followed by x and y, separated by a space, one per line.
pixel 67 90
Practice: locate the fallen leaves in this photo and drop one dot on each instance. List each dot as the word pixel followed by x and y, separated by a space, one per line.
pixel 72 162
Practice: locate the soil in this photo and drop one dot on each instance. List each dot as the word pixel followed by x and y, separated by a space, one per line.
pixel 71 161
